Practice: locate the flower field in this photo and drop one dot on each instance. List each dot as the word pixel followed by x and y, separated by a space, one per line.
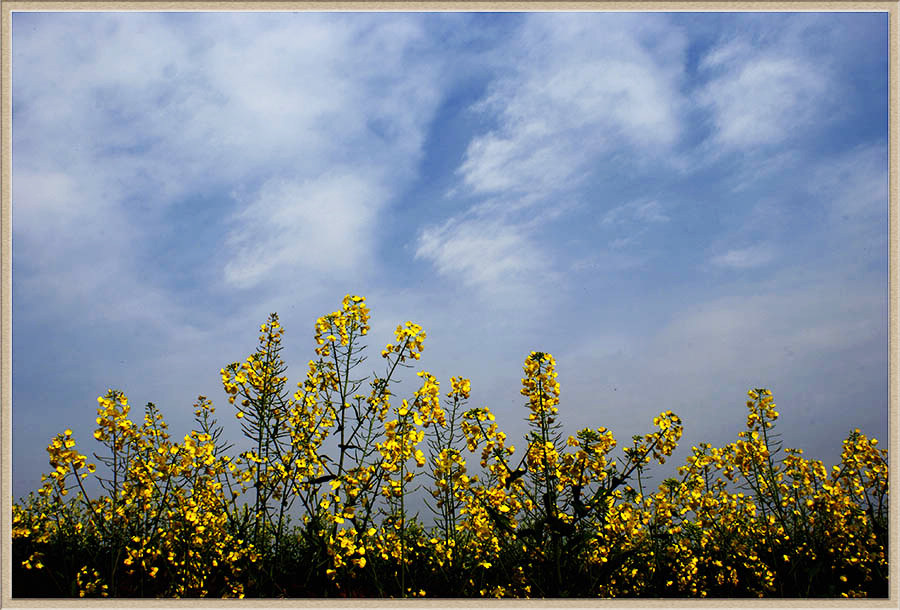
pixel 317 501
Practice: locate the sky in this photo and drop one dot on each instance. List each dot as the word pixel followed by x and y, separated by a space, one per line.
pixel 678 206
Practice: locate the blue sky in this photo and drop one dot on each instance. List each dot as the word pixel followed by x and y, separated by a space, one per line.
pixel 678 206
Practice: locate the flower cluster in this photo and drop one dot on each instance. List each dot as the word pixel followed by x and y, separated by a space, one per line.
pixel 410 342
pixel 341 326
pixel 540 385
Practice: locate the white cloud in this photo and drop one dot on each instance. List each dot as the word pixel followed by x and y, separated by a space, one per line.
pixel 501 261
pixel 572 96
pixel 623 242
pixel 761 98
pixel 750 257
pixel 318 226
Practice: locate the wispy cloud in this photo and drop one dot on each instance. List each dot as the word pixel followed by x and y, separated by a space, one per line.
pixel 636 211
pixel 631 223
pixel 750 257
pixel 761 96
pixel 501 261
pixel 571 97
pixel 324 223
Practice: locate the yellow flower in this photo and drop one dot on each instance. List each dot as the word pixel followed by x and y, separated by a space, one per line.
pixel 420 457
